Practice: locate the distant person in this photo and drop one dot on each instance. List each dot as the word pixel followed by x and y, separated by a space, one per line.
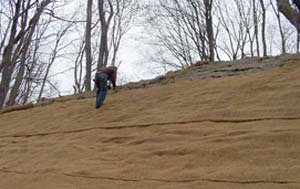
pixel 103 75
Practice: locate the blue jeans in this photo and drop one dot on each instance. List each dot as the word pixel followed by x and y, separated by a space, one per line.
pixel 101 82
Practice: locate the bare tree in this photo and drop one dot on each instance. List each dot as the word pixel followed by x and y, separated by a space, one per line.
pixel 88 47
pixel 26 44
pixel 78 70
pixel 209 28
pixel 55 54
pixel 256 24
pixel 34 70
pixel 6 63
pixel 184 29
pixel 283 38
pixel 263 27
pixel 26 70
pixel 116 18
pixel 123 20
pixel 235 20
pixel 5 25
pixel 18 44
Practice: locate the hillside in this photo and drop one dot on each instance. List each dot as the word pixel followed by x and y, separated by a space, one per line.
pixel 190 132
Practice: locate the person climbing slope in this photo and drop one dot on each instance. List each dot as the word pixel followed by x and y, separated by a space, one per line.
pixel 103 75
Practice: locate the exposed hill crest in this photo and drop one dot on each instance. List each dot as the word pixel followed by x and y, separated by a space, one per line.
pixel 205 70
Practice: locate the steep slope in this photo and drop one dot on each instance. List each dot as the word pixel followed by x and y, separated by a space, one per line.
pixel 232 132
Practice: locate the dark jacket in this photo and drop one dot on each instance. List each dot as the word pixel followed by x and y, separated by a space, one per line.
pixel 112 74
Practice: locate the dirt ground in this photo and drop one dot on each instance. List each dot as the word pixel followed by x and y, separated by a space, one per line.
pixel 231 132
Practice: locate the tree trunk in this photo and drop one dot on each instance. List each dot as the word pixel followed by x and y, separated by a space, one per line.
pixel 5 35
pixel 103 51
pixel 7 65
pixel 263 32
pixel 209 28
pixel 255 19
pixel 88 47
pixel 103 39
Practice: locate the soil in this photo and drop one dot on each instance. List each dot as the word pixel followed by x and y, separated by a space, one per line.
pixel 240 130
